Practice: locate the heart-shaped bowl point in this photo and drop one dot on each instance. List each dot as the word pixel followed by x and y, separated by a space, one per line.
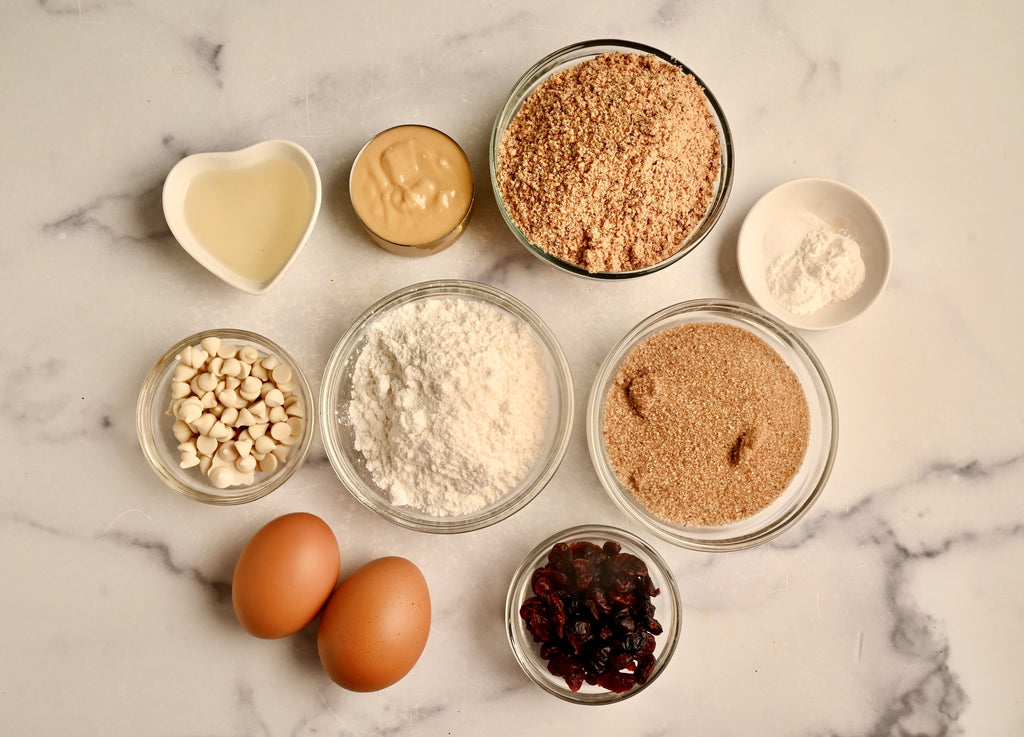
pixel 245 215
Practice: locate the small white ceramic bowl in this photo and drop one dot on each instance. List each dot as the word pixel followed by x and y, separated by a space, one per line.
pixel 184 173
pixel 844 210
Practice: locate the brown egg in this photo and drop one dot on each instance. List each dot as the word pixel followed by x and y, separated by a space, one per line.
pixel 285 575
pixel 375 626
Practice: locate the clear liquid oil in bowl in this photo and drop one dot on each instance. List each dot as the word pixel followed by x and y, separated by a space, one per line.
pixel 250 219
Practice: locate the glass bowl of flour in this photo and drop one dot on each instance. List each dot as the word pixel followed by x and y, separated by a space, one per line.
pixel 447 406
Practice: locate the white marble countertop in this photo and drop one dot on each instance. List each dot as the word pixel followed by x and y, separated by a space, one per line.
pixel 894 608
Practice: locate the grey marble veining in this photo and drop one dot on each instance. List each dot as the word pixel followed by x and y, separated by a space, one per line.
pixel 894 608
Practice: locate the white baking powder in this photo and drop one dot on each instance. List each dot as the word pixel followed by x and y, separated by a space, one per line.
pixel 824 267
pixel 449 404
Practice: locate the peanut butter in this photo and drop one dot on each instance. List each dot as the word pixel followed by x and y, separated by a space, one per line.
pixel 412 186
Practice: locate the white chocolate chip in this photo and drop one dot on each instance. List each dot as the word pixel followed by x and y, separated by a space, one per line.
pixel 250 388
pixel 259 372
pixel 203 424
pixel 196 357
pixel 281 374
pixel 259 411
pixel 206 382
pixel 245 418
pixel 190 410
pixel 183 372
pixel 258 430
pixel 220 431
pixel 248 354
pixel 298 425
pixel 246 464
pixel 280 431
pixel 268 464
pixel 229 416
pixel 231 367
pixel 222 476
pixel 277 414
pixel 182 431
pixel 243 447
pixel 274 398
pixel 227 350
pixel 264 444
pixel 211 345
pixel 206 445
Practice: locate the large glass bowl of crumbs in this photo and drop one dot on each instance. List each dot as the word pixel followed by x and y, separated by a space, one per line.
pixel 611 159
pixel 713 424
pixel 447 406
pixel 225 416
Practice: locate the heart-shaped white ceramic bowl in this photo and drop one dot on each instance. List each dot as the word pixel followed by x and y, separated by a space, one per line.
pixel 233 164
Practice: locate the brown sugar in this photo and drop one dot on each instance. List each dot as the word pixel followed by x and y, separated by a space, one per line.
pixel 611 163
pixel 706 424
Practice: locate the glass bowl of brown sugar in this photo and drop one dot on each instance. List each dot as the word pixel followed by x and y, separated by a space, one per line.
pixel 713 425
pixel 610 159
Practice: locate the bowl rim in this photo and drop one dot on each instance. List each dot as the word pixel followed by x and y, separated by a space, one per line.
pixel 523 647
pixel 748 315
pixel 146 413
pixel 345 353
pixel 566 57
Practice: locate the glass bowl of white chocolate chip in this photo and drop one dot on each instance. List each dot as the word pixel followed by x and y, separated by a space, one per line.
pixel 225 416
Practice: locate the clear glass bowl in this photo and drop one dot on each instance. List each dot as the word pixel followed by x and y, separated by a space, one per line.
pixel 570 56
pixel 813 474
pixel 339 437
pixel 161 448
pixel 668 611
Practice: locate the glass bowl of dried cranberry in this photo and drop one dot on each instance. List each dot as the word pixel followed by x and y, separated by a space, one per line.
pixel 593 614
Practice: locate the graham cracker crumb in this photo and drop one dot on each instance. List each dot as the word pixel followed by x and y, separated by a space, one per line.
pixel 611 163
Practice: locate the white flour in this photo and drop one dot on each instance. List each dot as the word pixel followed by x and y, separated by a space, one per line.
pixel 824 267
pixel 449 404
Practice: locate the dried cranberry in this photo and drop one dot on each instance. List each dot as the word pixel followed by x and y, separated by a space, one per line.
pixel 616 682
pixel 534 614
pixel 593 616
pixel 579 634
pixel 644 668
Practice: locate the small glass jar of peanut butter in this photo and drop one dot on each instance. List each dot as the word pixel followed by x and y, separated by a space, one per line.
pixel 412 189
